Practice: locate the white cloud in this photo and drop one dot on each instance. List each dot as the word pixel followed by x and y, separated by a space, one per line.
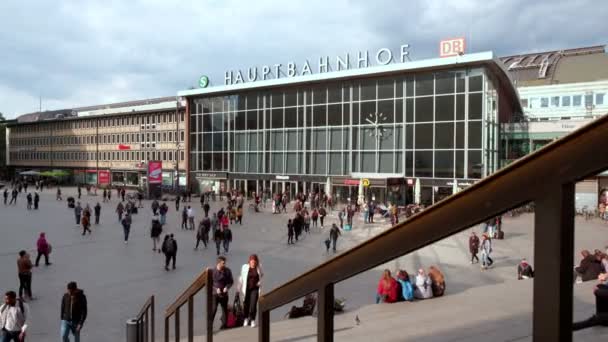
pixel 91 52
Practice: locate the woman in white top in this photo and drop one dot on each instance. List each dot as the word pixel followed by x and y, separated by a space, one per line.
pixel 423 286
pixel 249 285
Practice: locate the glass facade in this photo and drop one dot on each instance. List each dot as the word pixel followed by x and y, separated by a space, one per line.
pixel 440 125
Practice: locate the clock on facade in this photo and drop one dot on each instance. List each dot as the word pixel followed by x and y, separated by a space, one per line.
pixel 376 120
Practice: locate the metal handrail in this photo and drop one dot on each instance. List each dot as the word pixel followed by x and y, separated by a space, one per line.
pixel 187 297
pixel 145 322
pixel 546 177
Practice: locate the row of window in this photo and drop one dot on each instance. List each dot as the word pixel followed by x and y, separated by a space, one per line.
pixel 337 92
pixel 124 138
pixel 103 156
pixel 130 120
pixel 587 100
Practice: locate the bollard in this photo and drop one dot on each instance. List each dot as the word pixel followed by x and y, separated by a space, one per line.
pixel 132 330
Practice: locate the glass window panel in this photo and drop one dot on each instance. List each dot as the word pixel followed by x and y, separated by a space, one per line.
pixel 460 107
pixel 291 119
pixel 319 115
pixel 576 100
pixel 368 110
pixel 386 88
pixel 424 136
pixel 301 116
pixel 409 164
pixel 252 101
pixel 334 115
pixel 207 141
pixel 444 83
pixel 218 142
pixel 424 84
pixel 399 86
pixel 276 118
pixel 345 114
pixel 544 102
pixel 368 90
pixel 368 161
pixel 387 139
pixel 555 101
pixel 599 98
pixel 252 162
pixel 386 108
pixel 409 110
pixel 398 162
pixel 475 106
pixel 356 113
pixel 335 163
pixel 399 111
pixel 252 119
pixel 475 83
pixel 409 86
pixel 320 139
pixel 424 163
pixel 253 141
pixel 475 167
pixel 277 163
pixel 460 77
pixel 276 99
pixel 368 140
pixel 424 109
pixel 291 98
pixel 460 135
pixel 444 164
pixel 218 122
pixel 444 135
pixel 277 141
pixel 319 95
pixel 385 162
pixel 335 93
pixel 217 161
pixel 409 136
pixel 291 163
pixel 444 108
pixel 355 139
pixel 292 140
pixel 459 164
pixel 399 137
pixel 474 134
pixel 336 139
pixel 320 164
pixel 240 162
pixel 240 141
pixel 565 101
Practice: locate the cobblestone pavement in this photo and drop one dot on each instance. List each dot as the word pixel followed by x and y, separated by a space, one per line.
pixel 118 278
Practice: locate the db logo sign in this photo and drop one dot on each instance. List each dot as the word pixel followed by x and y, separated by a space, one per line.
pixel 451 47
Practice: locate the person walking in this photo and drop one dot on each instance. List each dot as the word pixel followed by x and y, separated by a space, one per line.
pixel 74 312
pixel 14 318
pixel 177 199
pixel 206 208
pixel 122 194
pixel 58 197
pixel 120 209
pixel 14 195
pixel 185 218
pixel 474 247
pixel 169 248
pixel 222 282
pixel 190 213
pixel 155 232
pixel 105 195
pixel 315 217
pixel 486 249
pixel 306 222
pixel 126 227
pixel 341 218
pixel 36 200
pixel 24 269
pixel 202 233
pixel 97 210
pixel 290 232
pixel 227 234
pixel 86 223
pixel 163 213
pixel 77 213
pixel 218 237
pixel 334 233
pixel 239 215
pixel 154 207
pixel 43 248
pixel 29 200
pixel 79 191
pixel 5 195
pixel 140 198
pixel 250 282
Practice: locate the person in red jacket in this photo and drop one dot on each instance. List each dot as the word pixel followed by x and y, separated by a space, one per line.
pixel 44 249
pixel 387 289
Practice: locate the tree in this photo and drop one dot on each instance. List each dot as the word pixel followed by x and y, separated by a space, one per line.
pixel 2 117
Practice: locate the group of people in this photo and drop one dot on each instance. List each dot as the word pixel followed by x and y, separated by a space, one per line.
pixel 425 285
pixel 594 266
pixel 483 246
pixel 591 265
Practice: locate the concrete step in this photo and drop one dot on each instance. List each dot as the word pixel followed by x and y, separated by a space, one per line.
pixel 501 312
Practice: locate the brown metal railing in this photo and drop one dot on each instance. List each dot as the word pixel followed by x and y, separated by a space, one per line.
pixel 546 177
pixel 187 297
pixel 145 322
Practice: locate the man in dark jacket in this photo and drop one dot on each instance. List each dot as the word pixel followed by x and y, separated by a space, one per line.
pixel 601 306
pixel 73 312
pixel 334 233
pixel 589 268
pixel 222 281
pixel 169 248
pixel 97 210
pixel 474 247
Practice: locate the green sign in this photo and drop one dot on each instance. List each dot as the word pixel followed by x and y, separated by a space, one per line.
pixel 203 82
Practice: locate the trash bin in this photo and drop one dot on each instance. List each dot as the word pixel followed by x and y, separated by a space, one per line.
pixel 132 330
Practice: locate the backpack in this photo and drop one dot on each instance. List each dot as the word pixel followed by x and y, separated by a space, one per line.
pixel 169 247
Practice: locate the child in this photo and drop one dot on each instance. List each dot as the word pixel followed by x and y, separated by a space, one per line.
pixel 327 245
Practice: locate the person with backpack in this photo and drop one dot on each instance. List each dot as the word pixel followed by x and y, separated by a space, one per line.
pixel 120 209
pixel 14 318
pixel 202 233
pixel 250 282
pixel 169 248
pixel 24 269
pixel 126 227
pixel 74 310
pixel 315 217
pixel 405 286
pixel 474 247
pixel 155 232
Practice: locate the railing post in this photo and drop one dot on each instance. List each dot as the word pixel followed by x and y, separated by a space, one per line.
pixel 209 295
pixel 325 317
pixel 166 329
pixel 152 327
pixel 554 258
pixel 145 328
pixel 191 319
pixel 177 325
pixel 264 327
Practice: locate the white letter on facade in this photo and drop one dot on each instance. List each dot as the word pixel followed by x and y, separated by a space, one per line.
pixel 379 56
pixel 228 78
pixel 239 77
pixel 363 59
pixel 323 64
pixel 291 69
pixel 404 52
pixel 342 64
pixel 306 68
pixel 277 70
pixel 265 71
pixel 253 77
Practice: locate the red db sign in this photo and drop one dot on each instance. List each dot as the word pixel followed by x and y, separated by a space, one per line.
pixel 451 47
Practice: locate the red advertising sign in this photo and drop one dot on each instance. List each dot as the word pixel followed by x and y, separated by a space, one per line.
pixel 155 172
pixel 103 177
pixel 451 47
pixel 124 147
pixel 351 182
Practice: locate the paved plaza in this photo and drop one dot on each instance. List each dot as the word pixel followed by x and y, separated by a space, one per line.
pixel 118 278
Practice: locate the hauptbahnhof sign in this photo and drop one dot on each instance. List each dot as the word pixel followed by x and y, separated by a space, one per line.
pixel 362 59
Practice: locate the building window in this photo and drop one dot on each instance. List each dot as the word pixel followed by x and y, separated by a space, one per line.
pixel 544 102
pixel 183 155
pixel 555 101
pixel 565 101
pixel 524 103
pixel 181 136
pixel 599 98
pixel 576 100
pixel 589 100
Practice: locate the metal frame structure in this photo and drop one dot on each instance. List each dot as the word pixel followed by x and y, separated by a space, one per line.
pixel 546 177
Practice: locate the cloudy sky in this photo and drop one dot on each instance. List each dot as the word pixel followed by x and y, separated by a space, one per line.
pixel 75 53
